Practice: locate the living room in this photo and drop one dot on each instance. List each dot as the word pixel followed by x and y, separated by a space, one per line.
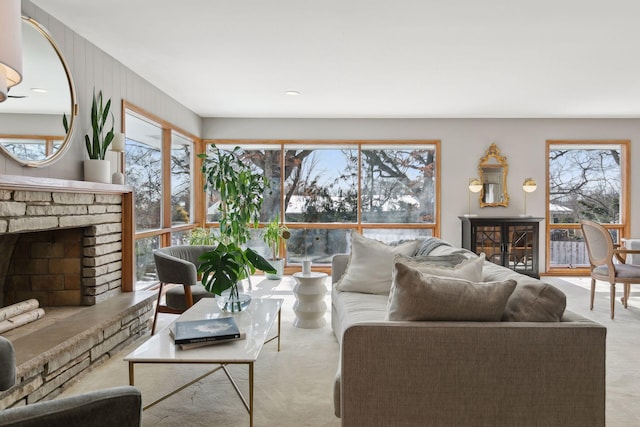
pixel 466 109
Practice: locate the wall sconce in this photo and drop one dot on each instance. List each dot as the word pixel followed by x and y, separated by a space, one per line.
pixel 529 186
pixel 475 186
pixel 117 146
pixel 10 46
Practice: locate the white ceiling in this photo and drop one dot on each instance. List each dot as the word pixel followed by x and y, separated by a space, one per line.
pixel 375 58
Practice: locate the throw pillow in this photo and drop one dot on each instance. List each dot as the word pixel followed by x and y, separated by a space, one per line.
pixel 469 269
pixel 535 303
pixel 417 296
pixel 370 265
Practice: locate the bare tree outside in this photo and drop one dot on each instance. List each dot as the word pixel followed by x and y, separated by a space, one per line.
pixel 585 182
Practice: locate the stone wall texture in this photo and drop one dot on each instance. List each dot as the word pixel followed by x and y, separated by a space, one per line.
pixel 48 374
pixel 98 246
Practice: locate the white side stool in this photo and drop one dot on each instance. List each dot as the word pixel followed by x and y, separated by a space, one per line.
pixel 309 307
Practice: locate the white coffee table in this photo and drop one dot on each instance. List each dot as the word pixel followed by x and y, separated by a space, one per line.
pixel 309 307
pixel 256 321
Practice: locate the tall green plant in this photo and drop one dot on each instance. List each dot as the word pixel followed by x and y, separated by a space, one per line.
pixel 241 195
pixel 241 192
pixel 98 144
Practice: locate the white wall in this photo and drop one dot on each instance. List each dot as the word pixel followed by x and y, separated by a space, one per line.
pixel 463 143
pixel 91 67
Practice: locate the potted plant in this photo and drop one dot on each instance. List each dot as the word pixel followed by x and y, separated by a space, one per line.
pixel 241 194
pixel 97 169
pixel 274 235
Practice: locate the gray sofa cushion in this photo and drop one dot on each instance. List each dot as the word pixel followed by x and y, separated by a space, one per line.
pixel 469 269
pixel 535 303
pixel 418 296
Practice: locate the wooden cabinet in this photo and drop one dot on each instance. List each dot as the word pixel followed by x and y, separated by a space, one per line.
pixel 508 241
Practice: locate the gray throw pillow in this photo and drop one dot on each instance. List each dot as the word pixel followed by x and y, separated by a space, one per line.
pixel 418 296
pixel 535 303
pixel 469 269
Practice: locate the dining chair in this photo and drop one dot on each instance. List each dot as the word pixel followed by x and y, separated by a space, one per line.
pixel 601 251
pixel 179 265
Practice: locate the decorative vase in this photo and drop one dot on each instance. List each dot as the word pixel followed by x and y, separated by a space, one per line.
pixel 278 264
pixel 233 301
pixel 97 171
pixel 306 266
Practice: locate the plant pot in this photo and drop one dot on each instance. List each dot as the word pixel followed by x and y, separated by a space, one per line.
pixel 97 171
pixel 232 301
pixel 278 264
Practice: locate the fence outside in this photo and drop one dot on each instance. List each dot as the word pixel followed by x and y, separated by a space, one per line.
pixel 571 253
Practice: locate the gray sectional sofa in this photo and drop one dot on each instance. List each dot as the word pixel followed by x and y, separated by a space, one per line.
pixel 466 373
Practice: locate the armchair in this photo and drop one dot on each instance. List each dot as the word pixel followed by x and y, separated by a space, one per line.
pixel 117 406
pixel 179 265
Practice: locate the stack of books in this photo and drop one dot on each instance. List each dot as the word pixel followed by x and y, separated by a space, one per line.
pixel 197 333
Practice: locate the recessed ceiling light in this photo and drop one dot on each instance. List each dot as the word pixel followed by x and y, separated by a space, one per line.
pixel 292 92
pixel 39 90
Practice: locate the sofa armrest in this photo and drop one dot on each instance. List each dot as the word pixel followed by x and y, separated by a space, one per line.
pixel 117 406
pixel 468 373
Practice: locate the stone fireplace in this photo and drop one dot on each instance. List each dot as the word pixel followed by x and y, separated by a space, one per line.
pixel 62 248
pixel 64 242
pixel 68 243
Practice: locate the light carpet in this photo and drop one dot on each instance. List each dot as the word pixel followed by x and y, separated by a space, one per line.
pixel 294 387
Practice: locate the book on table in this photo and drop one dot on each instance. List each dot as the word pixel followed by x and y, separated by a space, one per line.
pixel 210 343
pixel 197 331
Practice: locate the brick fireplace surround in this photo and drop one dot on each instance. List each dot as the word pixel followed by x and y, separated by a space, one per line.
pixel 72 244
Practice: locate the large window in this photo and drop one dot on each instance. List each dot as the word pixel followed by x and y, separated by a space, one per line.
pixel 587 180
pixel 159 164
pixel 322 190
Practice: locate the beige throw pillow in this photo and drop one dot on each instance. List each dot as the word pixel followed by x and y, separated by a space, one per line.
pixel 469 269
pixel 417 296
pixel 370 265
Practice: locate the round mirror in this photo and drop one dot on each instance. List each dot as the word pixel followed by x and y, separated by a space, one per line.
pixel 36 121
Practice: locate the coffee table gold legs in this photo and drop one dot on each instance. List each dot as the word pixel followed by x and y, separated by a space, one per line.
pixel 278 335
pixel 279 320
pixel 251 389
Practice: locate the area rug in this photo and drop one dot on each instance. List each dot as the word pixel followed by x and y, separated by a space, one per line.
pixel 294 387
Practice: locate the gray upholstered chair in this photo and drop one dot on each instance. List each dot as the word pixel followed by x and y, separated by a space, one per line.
pixel 601 251
pixel 179 265
pixel 117 406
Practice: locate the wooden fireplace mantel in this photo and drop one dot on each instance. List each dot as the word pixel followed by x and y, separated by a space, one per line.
pixel 31 183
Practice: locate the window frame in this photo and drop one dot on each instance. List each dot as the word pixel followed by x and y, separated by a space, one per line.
pixel 166 228
pixel 623 228
pixel 358 225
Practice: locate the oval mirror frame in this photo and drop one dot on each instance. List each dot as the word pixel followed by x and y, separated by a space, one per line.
pixel 69 112
pixel 493 170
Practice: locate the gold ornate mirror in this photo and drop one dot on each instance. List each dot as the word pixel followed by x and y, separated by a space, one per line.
pixel 32 130
pixel 493 174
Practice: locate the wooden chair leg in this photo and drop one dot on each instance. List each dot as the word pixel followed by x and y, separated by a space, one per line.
pixel 613 299
pixel 155 316
pixel 188 295
pixel 593 292
pixel 627 291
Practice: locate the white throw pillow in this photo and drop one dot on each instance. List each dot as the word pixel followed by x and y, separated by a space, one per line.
pixel 469 269
pixel 370 265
